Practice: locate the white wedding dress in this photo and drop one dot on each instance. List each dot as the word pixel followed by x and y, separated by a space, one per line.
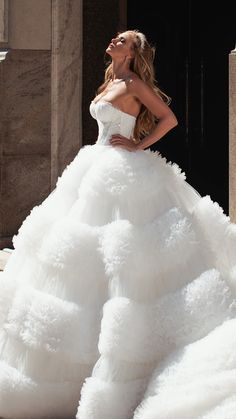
pixel 118 300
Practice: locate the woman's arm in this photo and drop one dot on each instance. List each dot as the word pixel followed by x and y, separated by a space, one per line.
pixel 167 119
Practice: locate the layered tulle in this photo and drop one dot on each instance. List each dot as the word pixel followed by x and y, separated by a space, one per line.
pixel 122 284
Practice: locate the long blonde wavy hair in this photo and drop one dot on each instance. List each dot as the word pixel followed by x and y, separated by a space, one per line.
pixel 142 65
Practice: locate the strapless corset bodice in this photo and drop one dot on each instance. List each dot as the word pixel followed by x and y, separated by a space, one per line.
pixel 111 120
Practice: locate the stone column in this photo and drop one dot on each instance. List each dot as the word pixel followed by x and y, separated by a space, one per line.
pixel 66 74
pixel 232 135
pixel 3 20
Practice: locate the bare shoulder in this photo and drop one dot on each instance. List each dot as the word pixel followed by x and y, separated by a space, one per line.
pixel 133 87
pixel 133 81
pixel 141 91
pixel 134 84
pixel 146 95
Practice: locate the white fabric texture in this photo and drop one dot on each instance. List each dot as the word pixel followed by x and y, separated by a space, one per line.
pixel 118 300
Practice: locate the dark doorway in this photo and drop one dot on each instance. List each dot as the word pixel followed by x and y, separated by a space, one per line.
pixel 192 48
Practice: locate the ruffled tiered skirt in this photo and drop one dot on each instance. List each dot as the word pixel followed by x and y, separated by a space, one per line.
pixel 118 301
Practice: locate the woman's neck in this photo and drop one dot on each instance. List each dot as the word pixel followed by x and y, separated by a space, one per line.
pixel 120 70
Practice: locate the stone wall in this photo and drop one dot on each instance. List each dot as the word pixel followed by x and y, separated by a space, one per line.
pixel 25 94
pixel 40 101
pixel 24 136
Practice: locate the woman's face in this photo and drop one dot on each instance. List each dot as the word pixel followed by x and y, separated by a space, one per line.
pixel 121 46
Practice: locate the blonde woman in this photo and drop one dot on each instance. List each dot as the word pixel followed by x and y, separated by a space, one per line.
pixel 130 85
pixel 118 300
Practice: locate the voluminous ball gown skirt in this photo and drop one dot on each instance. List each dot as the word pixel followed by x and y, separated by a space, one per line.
pixel 118 300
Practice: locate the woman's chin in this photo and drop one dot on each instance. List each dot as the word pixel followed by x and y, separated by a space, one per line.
pixel 109 50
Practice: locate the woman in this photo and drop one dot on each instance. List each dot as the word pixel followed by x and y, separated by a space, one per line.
pixel 122 282
pixel 129 85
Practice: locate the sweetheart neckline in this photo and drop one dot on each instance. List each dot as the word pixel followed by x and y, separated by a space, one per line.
pixel 113 106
